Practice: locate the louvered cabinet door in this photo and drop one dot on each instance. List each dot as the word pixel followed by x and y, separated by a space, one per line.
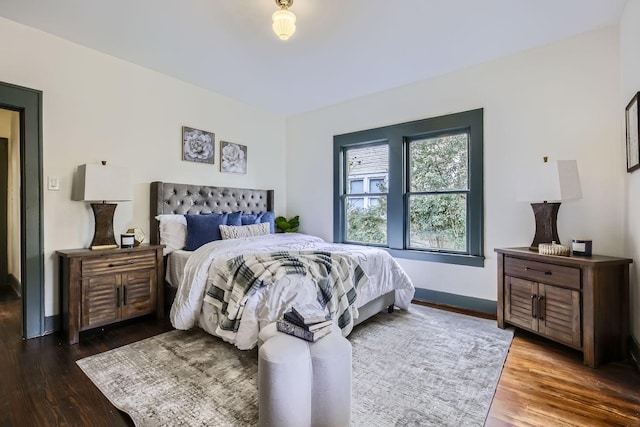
pixel 521 303
pixel 100 300
pixel 138 293
pixel 559 314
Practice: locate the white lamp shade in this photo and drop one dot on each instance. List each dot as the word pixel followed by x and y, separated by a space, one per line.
pixel 550 182
pixel 97 183
pixel 284 23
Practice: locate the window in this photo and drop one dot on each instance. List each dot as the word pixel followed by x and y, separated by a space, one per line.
pixel 414 188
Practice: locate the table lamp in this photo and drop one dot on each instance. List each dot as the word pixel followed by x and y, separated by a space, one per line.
pixel 545 185
pixel 100 184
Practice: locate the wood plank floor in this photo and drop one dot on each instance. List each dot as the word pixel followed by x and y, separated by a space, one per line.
pixel 542 384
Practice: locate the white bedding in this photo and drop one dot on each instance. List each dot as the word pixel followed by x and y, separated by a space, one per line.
pixel 268 304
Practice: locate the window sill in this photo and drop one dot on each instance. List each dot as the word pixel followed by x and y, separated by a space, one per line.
pixel 442 257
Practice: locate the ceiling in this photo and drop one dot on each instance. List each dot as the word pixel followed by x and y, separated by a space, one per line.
pixel 342 49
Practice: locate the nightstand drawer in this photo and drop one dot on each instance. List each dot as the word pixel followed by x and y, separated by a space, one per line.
pixel 118 263
pixel 568 277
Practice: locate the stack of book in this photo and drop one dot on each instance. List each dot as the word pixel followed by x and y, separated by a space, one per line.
pixel 308 322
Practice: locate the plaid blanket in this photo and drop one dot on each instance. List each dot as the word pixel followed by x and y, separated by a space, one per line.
pixel 337 278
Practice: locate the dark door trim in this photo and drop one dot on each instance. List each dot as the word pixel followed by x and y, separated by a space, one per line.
pixel 4 178
pixel 4 203
pixel 28 102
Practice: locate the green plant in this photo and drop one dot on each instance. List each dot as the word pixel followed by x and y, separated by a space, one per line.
pixel 290 226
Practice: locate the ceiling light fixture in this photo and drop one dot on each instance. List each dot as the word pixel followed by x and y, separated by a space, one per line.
pixel 284 22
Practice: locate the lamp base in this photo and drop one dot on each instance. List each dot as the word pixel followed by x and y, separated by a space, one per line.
pixel 546 215
pixel 103 237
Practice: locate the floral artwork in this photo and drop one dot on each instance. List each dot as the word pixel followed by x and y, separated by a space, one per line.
pixel 197 145
pixel 233 157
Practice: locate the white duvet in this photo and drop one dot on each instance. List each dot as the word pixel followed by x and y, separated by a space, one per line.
pixel 269 303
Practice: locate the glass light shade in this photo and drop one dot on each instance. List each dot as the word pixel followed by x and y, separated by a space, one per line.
pixel 284 24
pixel 550 182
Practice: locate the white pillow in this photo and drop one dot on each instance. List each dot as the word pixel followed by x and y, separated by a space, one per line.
pixel 173 232
pixel 240 231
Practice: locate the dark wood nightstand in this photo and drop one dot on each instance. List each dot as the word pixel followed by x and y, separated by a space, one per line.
pixel 582 302
pixel 100 287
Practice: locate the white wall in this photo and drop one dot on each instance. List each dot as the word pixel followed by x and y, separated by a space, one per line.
pixel 630 72
pixel 560 101
pixel 96 107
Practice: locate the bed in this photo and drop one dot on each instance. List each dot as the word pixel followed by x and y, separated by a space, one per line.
pixel 370 279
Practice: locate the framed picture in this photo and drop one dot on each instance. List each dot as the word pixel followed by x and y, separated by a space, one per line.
pixel 197 145
pixel 233 157
pixel 633 149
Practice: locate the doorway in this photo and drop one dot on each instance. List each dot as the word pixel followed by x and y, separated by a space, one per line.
pixel 28 103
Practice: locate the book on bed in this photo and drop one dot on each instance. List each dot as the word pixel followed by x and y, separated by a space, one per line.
pixel 297 331
pixel 310 313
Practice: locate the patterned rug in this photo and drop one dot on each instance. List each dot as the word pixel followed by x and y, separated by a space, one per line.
pixel 422 367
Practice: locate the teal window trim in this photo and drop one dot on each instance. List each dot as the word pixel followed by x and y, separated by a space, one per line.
pixel 397 137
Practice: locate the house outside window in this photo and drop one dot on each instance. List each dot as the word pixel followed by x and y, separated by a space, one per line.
pixel 414 188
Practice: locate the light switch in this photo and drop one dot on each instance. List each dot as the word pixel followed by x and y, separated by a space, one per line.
pixel 53 183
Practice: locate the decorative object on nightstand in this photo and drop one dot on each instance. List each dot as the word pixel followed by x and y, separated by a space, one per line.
pixel 553 249
pixel 103 287
pixel 548 182
pixel 99 184
pixel 581 247
pixel 127 240
pixel 138 235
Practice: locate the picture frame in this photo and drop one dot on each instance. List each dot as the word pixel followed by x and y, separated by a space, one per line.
pixel 632 120
pixel 198 145
pixel 233 157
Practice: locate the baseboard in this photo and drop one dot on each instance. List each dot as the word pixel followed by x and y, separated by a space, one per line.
pixel 634 349
pixel 51 324
pixel 15 284
pixel 458 301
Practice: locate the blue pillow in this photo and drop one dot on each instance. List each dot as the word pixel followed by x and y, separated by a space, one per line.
pixel 234 218
pixel 269 217
pixel 203 229
pixel 248 219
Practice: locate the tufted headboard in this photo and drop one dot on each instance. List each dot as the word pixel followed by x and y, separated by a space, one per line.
pixel 170 198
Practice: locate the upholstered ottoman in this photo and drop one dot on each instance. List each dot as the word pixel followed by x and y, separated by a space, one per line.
pixel 302 383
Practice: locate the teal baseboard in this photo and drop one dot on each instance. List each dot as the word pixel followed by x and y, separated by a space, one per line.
pixel 15 284
pixel 634 349
pixel 458 301
pixel 51 324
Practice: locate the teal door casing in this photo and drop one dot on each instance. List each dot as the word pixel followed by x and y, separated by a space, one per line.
pixel 28 102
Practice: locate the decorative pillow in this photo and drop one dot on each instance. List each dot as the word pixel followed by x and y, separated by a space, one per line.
pixel 268 217
pixel 248 219
pixel 234 218
pixel 173 232
pixel 234 232
pixel 203 229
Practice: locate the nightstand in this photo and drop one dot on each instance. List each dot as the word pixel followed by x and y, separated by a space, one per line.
pixel 101 287
pixel 581 302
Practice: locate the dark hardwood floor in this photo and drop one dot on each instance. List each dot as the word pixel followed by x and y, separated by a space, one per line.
pixel 542 384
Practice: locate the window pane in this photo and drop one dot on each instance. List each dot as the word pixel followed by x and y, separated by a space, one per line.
pixel 366 225
pixel 365 161
pixel 356 186
pixel 377 185
pixel 438 221
pixel 439 163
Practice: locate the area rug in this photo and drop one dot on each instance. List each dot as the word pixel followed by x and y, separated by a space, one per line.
pixel 422 367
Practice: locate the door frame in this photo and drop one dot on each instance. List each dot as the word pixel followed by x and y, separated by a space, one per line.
pixel 28 102
pixel 4 183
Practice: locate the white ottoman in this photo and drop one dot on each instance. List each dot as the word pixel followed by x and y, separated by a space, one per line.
pixel 302 383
